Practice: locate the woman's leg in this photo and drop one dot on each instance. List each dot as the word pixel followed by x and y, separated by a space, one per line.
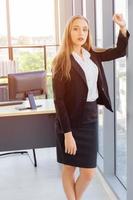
pixel 86 175
pixel 68 181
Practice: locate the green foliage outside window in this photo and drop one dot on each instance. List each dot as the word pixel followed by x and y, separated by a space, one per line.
pixel 30 61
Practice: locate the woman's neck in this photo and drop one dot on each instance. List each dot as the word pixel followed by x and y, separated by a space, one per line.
pixel 78 50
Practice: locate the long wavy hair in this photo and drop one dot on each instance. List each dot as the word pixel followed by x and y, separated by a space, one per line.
pixel 62 62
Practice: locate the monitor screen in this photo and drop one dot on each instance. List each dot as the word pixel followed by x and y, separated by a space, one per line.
pixel 20 85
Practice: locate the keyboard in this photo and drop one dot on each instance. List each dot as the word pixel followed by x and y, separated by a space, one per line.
pixel 9 103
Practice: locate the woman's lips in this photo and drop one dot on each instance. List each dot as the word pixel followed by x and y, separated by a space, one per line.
pixel 80 39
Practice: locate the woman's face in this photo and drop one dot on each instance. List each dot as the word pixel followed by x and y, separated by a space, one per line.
pixel 79 32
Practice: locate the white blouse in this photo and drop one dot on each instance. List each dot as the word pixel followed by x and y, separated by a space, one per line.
pixel 91 73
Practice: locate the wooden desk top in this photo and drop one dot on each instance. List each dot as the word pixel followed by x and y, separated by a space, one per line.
pixel 47 107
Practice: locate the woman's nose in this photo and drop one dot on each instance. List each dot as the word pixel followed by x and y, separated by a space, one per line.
pixel 80 31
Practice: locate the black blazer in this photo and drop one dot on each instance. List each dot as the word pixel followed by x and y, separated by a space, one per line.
pixel 70 95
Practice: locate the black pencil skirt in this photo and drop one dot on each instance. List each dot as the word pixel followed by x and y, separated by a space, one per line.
pixel 86 137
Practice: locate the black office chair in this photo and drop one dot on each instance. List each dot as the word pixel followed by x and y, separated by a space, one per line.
pixel 22 85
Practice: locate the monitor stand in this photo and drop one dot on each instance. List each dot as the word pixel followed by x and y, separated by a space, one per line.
pixel 32 101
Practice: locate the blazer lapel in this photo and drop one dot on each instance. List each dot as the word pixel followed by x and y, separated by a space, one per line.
pixel 78 69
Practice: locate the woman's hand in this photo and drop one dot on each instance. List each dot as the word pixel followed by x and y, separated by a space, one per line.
pixel 70 144
pixel 118 19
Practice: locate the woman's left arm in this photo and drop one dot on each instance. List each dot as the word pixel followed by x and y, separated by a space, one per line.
pixel 122 41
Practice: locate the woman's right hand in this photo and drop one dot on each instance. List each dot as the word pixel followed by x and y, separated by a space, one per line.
pixel 70 144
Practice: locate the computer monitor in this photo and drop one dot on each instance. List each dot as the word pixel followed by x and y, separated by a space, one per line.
pixel 27 84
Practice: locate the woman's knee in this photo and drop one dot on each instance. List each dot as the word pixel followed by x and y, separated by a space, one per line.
pixel 68 169
pixel 87 173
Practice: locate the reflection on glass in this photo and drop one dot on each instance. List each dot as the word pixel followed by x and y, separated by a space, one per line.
pixel 120 103
pixel 99 43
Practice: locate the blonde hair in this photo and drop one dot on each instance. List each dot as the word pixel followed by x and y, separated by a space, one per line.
pixel 62 62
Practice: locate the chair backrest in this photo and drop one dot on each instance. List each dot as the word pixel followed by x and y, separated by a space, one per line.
pixel 20 84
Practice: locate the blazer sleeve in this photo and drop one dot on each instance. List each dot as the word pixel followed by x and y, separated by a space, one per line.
pixel 116 52
pixel 59 86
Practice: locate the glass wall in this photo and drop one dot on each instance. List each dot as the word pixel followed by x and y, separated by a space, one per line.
pixel 99 44
pixel 120 105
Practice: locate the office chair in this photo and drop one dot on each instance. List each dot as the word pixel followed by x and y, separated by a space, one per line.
pixel 27 84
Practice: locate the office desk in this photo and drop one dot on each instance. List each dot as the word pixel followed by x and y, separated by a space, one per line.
pixel 27 129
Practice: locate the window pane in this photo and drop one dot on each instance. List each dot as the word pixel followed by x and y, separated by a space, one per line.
pixel 3 24
pixel 32 22
pixel 51 53
pixel 3 54
pixel 29 59
pixel 84 7
pixel 120 103
pixel 99 24
pixel 99 43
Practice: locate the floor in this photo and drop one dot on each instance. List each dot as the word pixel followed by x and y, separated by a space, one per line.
pixel 20 180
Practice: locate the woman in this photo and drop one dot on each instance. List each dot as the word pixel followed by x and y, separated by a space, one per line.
pixel 79 84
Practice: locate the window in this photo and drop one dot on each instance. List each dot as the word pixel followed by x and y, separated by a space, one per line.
pixel 120 104
pixel 99 24
pixel 84 7
pixel 99 44
pixel 32 22
pixel 3 30
pixel 28 27
pixel 3 24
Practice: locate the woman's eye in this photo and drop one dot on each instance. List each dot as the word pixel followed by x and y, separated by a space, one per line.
pixel 78 29
pixel 75 29
pixel 85 30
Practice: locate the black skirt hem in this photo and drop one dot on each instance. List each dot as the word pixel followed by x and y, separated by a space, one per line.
pixel 78 165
